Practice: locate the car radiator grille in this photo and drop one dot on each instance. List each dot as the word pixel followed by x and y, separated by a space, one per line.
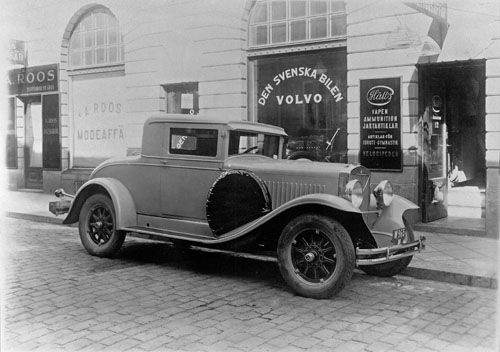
pixel 282 192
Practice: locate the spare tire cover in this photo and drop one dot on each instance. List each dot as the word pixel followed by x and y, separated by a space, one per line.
pixel 236 198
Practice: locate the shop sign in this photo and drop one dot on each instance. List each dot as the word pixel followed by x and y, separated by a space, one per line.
pixel 99 128
pixel 17 53
pixel 380 117
pixel 299 99
pixel 51 149
pixel 33 80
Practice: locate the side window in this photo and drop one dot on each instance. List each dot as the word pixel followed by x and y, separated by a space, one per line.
pixel 193 141
pixel 253 143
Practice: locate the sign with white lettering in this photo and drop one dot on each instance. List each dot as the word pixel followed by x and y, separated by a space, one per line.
pixel 99 126
pixel 380 118
pixel 33 80
pixel 51 130
pixel 304 72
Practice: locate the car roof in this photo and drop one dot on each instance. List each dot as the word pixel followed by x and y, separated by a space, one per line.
pixel 246 126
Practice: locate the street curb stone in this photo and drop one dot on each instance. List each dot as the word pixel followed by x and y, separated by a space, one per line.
pixel 415 272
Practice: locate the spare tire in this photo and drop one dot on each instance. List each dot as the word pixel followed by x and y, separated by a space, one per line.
pixel 236 198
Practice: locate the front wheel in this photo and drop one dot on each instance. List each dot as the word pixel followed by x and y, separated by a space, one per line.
pixel 97 227
pixel 316 256
pixel 387 269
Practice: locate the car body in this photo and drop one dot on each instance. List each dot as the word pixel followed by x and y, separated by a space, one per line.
pixel 228 184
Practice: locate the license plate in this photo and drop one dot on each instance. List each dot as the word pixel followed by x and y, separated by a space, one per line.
pixel 399 235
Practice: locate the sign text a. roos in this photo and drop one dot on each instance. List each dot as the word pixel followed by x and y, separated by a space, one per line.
pixel 36 79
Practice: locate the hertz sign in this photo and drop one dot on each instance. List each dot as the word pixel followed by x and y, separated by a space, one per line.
pixel 33 80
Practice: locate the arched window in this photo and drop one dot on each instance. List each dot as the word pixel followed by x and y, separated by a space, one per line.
pixel 275 22
pixel 96 40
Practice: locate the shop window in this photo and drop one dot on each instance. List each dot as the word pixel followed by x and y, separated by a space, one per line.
pixel 305 93
pixel 182 98
pixel 96 41
pixel 289 21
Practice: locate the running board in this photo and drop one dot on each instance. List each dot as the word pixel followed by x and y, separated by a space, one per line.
pixel 162 235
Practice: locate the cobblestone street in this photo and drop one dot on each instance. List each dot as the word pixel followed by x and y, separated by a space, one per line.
pixel 153 297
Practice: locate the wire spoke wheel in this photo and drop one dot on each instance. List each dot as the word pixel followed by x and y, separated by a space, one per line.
pixel 100 226
pixel 315 255
pixel 97 226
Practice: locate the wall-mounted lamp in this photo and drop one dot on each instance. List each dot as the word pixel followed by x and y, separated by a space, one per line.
pixel 429 47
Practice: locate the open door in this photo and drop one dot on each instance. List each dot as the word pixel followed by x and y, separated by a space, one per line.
pixel 433 146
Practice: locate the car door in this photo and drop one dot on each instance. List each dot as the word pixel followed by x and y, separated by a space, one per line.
pixel 193 163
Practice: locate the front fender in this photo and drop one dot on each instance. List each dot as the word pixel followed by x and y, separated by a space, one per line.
pixel 125 212
pixel 315 199
pixel 390 219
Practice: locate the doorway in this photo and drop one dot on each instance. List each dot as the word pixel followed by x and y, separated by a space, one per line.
pixel 453 160
pixel 33 147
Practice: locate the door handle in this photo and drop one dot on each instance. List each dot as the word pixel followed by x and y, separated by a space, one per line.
pixel 164 162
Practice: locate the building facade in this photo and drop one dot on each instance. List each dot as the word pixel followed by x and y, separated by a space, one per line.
pixel 385 84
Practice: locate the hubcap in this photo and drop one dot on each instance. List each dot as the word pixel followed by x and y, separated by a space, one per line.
pixel 313 256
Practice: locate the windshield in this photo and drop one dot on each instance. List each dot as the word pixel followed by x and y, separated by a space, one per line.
pixel 253 143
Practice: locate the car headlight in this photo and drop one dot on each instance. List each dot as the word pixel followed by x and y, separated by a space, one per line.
pixel 383 194
pixel 354 192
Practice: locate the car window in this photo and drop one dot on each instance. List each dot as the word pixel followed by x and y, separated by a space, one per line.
pixel 193 141
pixel 253 143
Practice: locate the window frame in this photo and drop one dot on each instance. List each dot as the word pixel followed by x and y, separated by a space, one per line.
pixel 90 39
pixel 267 24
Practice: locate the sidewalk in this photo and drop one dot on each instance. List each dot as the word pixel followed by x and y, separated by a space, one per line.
pixel 466 260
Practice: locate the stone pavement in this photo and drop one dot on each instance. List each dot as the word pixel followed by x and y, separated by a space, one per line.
pixel 152 297
pixel 467 260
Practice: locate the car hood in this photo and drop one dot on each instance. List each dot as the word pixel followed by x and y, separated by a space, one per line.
pixel 306 168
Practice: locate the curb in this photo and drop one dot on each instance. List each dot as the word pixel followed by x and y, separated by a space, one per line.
pixel 414 272
pixel 452 278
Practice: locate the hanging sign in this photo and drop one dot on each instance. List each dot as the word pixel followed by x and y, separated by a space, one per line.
pixel 380 118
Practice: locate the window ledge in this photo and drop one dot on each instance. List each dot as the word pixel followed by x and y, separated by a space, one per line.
pixel 96 69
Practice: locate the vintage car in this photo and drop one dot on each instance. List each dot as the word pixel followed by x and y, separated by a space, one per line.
pixel 203 182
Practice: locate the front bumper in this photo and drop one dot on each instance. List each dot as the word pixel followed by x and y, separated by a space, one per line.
pixel 388 254
pixel 61 206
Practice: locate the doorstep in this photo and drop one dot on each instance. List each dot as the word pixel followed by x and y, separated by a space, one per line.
pixel 454 225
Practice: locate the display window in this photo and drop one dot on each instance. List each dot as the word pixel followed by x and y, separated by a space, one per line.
pixel 306 95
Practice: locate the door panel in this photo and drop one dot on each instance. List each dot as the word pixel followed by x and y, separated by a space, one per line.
pixel 433 141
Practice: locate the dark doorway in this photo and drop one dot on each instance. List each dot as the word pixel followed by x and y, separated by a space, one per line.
pixel 452 116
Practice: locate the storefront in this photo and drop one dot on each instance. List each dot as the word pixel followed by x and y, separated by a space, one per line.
pixel 33 141
pixel 356 81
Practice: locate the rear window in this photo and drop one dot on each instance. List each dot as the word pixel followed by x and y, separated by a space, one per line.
pixel 193 141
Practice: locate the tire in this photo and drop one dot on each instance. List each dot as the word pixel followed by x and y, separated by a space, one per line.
pixel 97 227
pixel 236 198
pixel 316 256
pixel 387 269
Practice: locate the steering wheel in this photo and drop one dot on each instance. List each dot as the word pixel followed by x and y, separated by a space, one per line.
pixel 250 149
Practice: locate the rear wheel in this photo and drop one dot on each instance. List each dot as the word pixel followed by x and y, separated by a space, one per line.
pixel 316 256
pixel 97 227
